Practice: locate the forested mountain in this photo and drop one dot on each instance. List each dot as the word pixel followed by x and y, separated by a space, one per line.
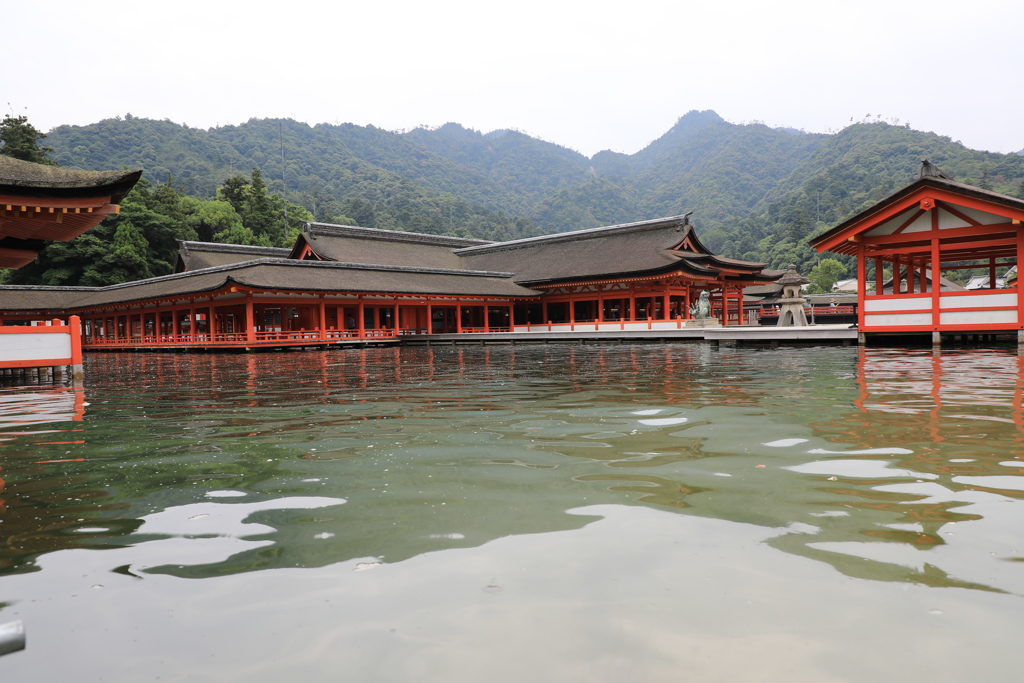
pixel 756 192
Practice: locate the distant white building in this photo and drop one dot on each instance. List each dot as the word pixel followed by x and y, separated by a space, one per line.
pixel 845 286
pixel 981 282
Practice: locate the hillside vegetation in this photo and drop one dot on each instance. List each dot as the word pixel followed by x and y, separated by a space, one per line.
pixel 756 192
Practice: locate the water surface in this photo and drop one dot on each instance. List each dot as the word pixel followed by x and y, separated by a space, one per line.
pixel 545 513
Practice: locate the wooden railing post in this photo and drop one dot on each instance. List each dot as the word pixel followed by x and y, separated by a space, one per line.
pixel 323 318
pixel 75 323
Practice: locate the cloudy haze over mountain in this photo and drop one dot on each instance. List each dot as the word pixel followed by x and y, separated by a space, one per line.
pixel 589 75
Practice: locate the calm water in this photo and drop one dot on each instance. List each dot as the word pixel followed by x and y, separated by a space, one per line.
pixel 546 513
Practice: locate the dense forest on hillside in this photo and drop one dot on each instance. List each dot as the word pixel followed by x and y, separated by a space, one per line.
pixel 756 192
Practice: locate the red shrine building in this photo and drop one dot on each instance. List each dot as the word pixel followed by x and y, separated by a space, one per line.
pixel 343 284
pixel 42 204
pixel 934 225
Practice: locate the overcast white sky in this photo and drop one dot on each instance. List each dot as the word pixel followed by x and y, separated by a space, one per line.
pixel 588 75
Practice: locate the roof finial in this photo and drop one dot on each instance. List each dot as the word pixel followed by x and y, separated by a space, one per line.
pixel 928 169
pixel 686 217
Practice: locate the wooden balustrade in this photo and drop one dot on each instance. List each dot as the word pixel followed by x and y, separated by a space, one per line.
pixel 235 339
pixel 812 310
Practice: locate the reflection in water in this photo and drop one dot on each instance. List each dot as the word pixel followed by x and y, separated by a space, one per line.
pixel 886 466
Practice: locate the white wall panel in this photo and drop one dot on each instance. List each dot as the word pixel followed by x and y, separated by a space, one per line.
pixel 979 300
pixel 977 317
pixel 897 320
pixel 35 346
pixel 916 303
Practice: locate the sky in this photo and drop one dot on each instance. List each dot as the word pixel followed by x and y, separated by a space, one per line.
pixel 587 75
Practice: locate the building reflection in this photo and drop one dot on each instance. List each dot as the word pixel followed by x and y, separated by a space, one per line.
pixel 455 446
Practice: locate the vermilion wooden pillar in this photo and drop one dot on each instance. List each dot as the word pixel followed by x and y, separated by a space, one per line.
pixel 936 281
pixel 250 319
pixel 862 285
pixel 323 318
pixel 361 322
pixel 1020 282
pixel 487 317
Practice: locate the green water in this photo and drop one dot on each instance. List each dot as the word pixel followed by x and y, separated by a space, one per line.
pixel 543 513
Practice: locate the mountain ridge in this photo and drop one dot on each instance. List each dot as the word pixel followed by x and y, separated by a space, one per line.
pixel 756 192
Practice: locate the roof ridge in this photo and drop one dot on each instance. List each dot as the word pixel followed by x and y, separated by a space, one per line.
pixel 289 263
pixel 588 233
pixel 221 246
pixel 312 228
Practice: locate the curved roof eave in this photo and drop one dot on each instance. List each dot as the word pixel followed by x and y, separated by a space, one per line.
pixel 27 179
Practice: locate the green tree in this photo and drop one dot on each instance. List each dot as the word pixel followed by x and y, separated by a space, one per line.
pixel 239 234
pixel 259 215
pixel 129 259
pixel 208 218
pixel 826 274
pixel 233 191
pixel 261 212
pixel 20 139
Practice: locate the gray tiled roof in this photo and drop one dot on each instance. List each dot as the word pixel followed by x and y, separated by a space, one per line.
pixel 271 274
pixel 384 247
pixel 38 180
pixel 199 255
pixel 630 248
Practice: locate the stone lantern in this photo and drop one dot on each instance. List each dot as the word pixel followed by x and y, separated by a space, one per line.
pixel 792 313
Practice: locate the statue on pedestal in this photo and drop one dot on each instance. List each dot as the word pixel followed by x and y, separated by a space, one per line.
pixel 702 309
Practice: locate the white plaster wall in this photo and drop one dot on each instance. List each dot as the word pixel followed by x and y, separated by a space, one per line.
pixel 922 224
pixel 889 227
pixel 948 221
pixel 916 303
pixel 35 346
pixel 897 320
pixel 979 300
pixel 982 217
pixel 977 317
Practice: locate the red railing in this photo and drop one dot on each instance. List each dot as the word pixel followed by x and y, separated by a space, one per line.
pixel 811 310
pixel 237 338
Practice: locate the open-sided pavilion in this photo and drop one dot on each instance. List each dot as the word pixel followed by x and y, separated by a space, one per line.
pixel 930 226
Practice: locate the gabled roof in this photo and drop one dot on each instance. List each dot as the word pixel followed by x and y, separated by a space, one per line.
pixel 842 238
pixel 383 247
pixel 199 255
pixel 270 274
pixel 646 247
